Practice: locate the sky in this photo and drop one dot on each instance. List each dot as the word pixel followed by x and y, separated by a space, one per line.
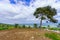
pixel 21 11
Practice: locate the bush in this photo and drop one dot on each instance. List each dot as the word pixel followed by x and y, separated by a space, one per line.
pixel 23 26
pixel 19 27
pixel 35 25
pixel 43 27
pixel 48 26
pixel 16 25
pixel 29 26
pixel 3 28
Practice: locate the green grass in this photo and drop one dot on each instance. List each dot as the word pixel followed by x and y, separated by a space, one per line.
pixel 54 28
pixel 6 28
pixel 53 36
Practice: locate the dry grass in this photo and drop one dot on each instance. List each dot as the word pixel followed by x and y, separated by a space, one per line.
pixel 23 34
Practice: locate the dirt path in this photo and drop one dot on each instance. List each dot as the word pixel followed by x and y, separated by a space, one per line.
pixel 23 34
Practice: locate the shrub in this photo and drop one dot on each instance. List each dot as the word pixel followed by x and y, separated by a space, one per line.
pixel 43 27
pixel 23 26
pixel 16 25
pixel 48 26
pixel 35 25
pixel 29 26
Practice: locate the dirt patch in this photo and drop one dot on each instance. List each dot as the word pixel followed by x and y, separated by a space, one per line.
pixel 23 34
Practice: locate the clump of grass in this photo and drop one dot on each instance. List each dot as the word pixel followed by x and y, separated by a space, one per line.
pixel 54 28
pixel 10 27
pixel 6 28
pixel 3 28
pixel 53 36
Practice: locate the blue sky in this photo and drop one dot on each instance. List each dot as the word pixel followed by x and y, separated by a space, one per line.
pixel 21 11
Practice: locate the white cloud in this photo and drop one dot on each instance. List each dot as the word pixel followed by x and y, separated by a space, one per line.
pixel 23 11
pixel 58 16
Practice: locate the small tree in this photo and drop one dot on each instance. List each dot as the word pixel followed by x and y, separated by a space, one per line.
pixel 16 25
pixel 48 26
pixel 19 26
pixel 23 26
pixel 35 25
pixel 29 26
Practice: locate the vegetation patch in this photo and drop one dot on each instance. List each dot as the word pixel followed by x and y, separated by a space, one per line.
pixel 53 36
pixel 54 28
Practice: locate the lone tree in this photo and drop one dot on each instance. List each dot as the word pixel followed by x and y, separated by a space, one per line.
pixel 45 13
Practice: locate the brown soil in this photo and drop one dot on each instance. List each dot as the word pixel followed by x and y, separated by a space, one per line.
pixel 23 34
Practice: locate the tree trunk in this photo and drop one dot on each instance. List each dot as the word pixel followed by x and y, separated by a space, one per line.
pixel 40 23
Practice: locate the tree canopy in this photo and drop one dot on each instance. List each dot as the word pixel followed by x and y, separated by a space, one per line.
pixel 46 13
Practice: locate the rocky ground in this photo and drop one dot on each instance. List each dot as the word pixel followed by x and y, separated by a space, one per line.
pixel 23 34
